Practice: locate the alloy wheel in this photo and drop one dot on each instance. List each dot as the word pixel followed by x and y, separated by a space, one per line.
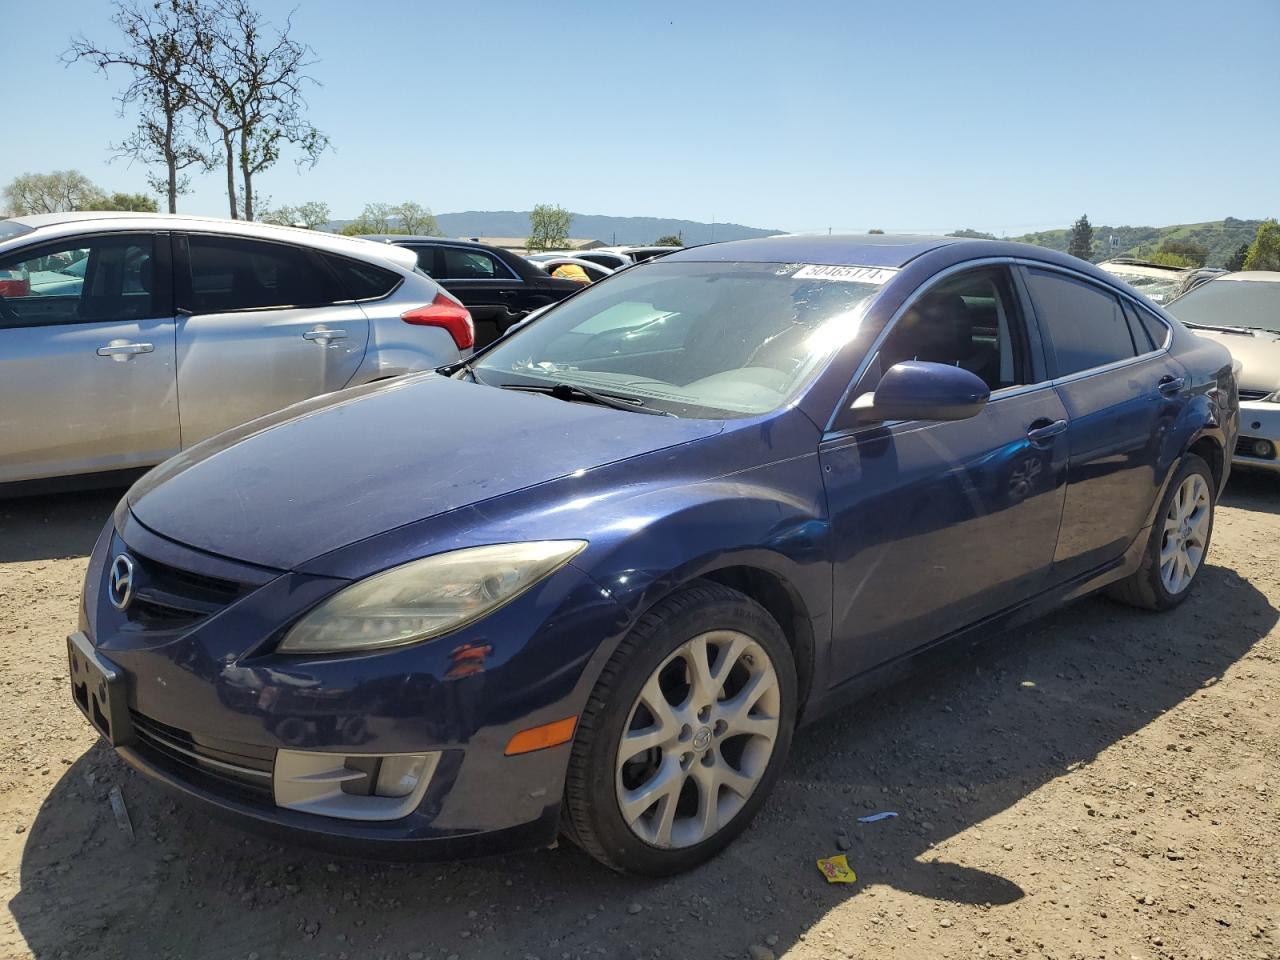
pixel 698 739
pixel 1186 533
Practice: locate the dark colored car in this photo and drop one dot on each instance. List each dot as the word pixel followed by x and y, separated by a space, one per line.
pixel 497 286
pixel 595 578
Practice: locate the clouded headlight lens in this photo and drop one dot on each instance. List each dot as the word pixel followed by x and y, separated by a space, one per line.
pixel 426 598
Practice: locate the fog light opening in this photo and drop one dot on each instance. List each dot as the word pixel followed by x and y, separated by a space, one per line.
pixel 1263 449
pixel 399 776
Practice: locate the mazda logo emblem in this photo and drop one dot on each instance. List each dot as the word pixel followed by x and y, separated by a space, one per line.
pixel 121 581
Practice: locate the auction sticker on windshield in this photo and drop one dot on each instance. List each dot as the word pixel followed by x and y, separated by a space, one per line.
pixel 815 271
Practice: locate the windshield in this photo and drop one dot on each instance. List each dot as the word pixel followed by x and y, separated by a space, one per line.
pixel 1156 289
pixel 693 339
pixel 1231 303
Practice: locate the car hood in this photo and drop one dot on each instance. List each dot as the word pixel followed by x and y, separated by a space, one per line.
pixel 1258 352
pixel 323 474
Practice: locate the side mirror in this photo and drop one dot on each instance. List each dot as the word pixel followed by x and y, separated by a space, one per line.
pixel 915 390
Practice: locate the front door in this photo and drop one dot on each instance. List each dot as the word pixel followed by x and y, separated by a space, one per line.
pixel 262 331
pixel 87 356
pixel 937 525
pixel 1123 392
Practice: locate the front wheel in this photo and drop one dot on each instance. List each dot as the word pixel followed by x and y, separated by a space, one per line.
pixel 684 734
pixel 1179 541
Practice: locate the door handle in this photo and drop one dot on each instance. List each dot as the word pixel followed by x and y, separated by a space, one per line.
pixel 1171 386
pixel 121 351
pixel 324 336
pixel 1045 429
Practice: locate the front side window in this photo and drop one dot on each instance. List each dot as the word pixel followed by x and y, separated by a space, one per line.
pixel 971 320
pixel 83 280
pixel 693 339
pixel 1084 323
pixel 229 274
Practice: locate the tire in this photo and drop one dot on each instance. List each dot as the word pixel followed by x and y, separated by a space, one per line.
pixel 1149 586
pixel 735 740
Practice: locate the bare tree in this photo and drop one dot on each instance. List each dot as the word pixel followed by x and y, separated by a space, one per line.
pixel 250 79
pixel 52 193
pixel 159 50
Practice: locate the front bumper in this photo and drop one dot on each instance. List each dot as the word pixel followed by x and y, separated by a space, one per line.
pixel 1259 421
pixel 208 705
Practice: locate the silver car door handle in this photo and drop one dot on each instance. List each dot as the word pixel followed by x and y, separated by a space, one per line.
pixel 123 351
pixel 325 335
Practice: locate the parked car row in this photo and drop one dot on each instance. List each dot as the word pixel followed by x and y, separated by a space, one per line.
pixel 129 337
pixel 593 578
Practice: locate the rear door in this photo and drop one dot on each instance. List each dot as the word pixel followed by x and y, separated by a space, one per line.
pixel 488 288
pixel 87 356
pixel 1122 391
pixel 266 324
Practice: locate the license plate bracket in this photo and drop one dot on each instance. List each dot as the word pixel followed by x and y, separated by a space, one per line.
pixel 99 689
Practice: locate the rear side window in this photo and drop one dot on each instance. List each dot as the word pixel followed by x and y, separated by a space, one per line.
pixel 360 280
pixel 462 264
pixel 229 274
pixel 1155 329
pixel 1084 323
pixel 93 279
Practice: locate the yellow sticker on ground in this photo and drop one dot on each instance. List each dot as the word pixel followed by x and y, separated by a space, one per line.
pixel 837 869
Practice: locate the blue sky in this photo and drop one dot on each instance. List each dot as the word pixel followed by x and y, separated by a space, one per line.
pixel 1002 116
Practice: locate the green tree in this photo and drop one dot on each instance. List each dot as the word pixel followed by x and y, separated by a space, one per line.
pixel 1165 259
pixel 1264 252
pixel 137 202
pixel 875 231
pixel 1236 260
pixel 1081 243
pixel 548 227
pixel 670 240
pixel 374 218
pixel 52 193
pixel 1194 254
pixel 284 216
pixel 314 214
pixel 968 234
pixel 416 219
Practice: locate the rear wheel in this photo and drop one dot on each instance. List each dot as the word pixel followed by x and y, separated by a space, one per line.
pixel 1179 541
pixel 684 735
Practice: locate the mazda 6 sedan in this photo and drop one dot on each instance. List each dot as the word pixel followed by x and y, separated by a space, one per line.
pixel 593 580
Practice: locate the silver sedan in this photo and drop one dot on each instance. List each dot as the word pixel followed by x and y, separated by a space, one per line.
pixel 126 337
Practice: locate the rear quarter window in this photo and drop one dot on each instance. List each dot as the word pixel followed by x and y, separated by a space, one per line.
pixel 360 280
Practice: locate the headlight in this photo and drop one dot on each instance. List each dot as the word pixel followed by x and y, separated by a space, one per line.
pixel 426 598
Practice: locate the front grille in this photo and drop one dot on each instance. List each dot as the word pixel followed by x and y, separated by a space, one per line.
pixel 1253 394
pixel 169 598
pixel 1245 448
pixel 240 770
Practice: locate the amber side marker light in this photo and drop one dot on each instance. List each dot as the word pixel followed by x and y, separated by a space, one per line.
pixel 539 738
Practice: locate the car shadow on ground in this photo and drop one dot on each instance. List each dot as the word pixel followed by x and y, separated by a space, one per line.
pixel 1253 490
pixel 947 750
pixel 54 525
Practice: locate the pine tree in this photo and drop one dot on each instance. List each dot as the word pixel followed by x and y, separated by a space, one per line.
pixel 1081 244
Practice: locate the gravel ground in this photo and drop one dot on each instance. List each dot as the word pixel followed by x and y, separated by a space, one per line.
pixel 1102 785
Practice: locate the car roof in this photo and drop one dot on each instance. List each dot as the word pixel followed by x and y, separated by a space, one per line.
pixel 867 250
pixel 1265 276
pixel 394 238
pixel 53 225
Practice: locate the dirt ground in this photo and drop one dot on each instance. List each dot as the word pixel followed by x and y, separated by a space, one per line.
pixel 1103 785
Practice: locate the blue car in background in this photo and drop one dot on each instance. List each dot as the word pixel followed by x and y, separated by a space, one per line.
pixel 591 580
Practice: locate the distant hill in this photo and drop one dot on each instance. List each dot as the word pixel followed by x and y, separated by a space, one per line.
pixel 612 230
pixel 1222 237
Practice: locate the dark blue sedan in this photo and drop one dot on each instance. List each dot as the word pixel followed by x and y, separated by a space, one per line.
pixel 593 580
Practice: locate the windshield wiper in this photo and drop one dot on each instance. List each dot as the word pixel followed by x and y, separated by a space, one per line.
pixel 571 392
pixel 1219 327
